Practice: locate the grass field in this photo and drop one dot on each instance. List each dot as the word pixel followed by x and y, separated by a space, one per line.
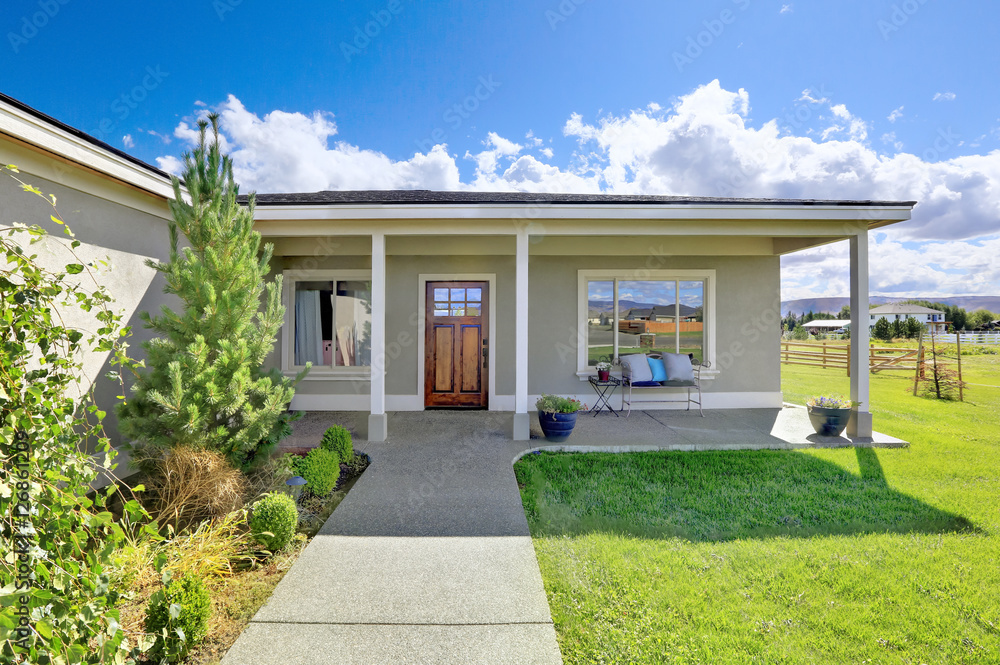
pixel 819 556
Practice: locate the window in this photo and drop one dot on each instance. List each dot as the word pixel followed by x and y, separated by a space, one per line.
pixel 662 312
pixel 328 321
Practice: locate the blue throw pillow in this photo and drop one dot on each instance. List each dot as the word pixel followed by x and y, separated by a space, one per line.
pixel 657 368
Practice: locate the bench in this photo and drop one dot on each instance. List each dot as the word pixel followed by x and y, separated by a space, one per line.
pixel 628 385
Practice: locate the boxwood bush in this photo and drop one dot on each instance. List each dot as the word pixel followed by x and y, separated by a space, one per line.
pixel 337 439
pixel 273 520
pixel 321 469
pixel 176 631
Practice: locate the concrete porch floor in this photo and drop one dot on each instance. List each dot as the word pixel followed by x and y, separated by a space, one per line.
pixel 674 429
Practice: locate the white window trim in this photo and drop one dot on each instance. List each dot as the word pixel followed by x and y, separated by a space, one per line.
pixel 289 279
pixel 708 308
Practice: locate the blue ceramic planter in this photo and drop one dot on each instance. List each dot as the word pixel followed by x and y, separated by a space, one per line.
pixel 829 422
pixel 557 426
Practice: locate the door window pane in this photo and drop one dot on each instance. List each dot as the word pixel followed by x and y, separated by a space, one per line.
pixel 440 294
pixel 474 295
pixel 458 295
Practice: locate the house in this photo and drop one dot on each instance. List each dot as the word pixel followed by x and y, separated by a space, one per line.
pixel 826 325
pixel 932 319
pixel 414 300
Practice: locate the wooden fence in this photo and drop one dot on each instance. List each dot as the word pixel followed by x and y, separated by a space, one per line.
pixel 838 356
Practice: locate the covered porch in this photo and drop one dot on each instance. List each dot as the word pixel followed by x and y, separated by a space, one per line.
pixel 536 255
pixel 782 428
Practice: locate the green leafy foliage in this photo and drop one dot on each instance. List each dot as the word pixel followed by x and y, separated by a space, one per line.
pixel 882 330
pixel 177 618
pixel 205 386
pixel 273 520
pixel 557 404
pixel 56 542
pixel 337 439
pixel 321 469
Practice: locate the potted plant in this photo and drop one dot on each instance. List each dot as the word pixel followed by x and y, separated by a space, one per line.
pixel 557 416
pixel 829 414
pixel 603 370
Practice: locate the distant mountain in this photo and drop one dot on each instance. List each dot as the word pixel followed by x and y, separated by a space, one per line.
pixel 608 306
pixel 834 305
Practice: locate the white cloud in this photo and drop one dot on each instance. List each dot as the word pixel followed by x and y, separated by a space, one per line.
pixel 895 115
pixel 290 152
pixel 944 96
pixel 785 9
pixel 890 138
pixel 703 143
pixel 127 141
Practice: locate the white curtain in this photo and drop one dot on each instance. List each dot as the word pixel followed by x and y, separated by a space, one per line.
pixel 308 328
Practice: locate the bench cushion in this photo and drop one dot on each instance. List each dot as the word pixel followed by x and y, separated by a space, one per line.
pixel 657 368
pixel 677 384
pixel 647 384
pixel 638 367
pixel 678 367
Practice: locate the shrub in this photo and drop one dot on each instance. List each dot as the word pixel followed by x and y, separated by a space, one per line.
pixel 193 485
pixel 273 520
pixel 321 469
pixel 60 553
pixel 557 404
pixel 337 439
pixel 177 617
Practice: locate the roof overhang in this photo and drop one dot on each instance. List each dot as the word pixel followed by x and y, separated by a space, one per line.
pixel 37 132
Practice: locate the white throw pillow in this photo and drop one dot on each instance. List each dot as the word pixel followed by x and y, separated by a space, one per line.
pixel 639 367
pixel 678 367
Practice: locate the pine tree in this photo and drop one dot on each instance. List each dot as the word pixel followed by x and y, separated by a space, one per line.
pixel 205 387
pixel 882 330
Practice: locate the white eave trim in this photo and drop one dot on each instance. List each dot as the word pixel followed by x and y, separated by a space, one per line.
pixel 25 127
pixel 873 214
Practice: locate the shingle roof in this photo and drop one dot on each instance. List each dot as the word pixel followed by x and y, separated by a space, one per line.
pixel 424 196
pixel 81 135
pixel 904 309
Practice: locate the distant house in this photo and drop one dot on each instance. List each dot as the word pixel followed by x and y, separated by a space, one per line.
pixel 932 319
pixel 826 325
pixel 660 312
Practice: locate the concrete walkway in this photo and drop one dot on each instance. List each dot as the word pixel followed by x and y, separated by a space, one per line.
pixel 427 560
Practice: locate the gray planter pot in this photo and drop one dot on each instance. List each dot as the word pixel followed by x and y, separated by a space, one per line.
pixel 829 422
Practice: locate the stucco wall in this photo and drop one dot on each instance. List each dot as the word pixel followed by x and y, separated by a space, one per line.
pixel 106 229
pixel 747 336
pixel 747 320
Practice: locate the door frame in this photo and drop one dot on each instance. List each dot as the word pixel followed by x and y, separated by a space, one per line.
pixel 422 280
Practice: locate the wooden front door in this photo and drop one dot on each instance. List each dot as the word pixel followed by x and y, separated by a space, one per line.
pixel 456 367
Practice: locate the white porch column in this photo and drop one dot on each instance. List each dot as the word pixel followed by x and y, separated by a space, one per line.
pixel 377 420
pixel 860 424
pixel 522 422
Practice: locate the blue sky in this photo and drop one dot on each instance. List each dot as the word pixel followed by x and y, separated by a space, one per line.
pixel 889 99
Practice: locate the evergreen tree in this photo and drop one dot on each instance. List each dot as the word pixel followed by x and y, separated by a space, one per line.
pixel 882 330
pixel 913 328
pixel 204 386
pixel 898 329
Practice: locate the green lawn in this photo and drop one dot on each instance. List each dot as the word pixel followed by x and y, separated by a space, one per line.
pixel 819 556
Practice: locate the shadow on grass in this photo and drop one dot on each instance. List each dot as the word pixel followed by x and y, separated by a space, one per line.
pixel 719 496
